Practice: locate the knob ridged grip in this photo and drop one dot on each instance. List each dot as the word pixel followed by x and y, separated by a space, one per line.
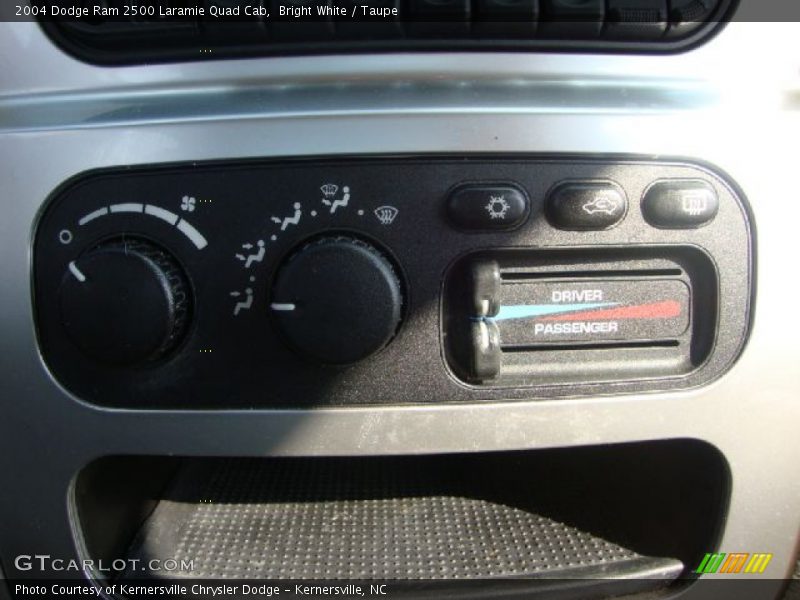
pixel 337 300
pixel 125 302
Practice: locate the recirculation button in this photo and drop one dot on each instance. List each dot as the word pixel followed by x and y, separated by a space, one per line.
pixel 487 207
pixel 585 206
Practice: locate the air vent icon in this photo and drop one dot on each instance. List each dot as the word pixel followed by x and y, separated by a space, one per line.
pixel 386 214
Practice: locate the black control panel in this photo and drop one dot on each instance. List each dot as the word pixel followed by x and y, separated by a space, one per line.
pixel 295 283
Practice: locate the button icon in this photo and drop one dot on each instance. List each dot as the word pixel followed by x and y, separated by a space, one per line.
pixel 329 196
pixel 680 204
pixel 586 206
pixel 188 203
pixel 293 220
pixel 602 203
pixel 487 207
pixel 244 299
pixel 497 207
pixel 694 203
pixel 252 257
pixel 386 214
pixel 329 190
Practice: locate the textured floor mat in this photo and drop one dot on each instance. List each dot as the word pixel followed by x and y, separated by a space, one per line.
pixel 305 519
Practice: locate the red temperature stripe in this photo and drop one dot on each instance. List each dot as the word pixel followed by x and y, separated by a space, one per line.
pixel 658 310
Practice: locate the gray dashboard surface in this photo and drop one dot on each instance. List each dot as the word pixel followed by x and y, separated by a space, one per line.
pixel 733 103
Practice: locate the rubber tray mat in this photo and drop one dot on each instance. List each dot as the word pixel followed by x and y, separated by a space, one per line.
pixel 327 519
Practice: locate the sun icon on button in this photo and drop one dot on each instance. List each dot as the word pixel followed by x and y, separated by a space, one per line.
pixel 497 207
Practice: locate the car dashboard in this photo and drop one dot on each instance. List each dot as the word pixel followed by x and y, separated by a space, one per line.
pixel 442 317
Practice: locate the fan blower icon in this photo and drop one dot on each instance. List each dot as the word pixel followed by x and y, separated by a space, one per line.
pixel 386 214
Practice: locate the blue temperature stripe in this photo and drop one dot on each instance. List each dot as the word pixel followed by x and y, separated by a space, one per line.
pixel 524 311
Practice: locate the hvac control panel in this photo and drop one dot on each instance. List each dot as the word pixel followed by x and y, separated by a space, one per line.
pixel 295 283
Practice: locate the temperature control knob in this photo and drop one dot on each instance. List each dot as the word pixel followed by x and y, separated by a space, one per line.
pixel 337 300
pixel 126 302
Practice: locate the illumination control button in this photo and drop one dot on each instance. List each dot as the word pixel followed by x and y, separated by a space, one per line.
pixel 681 204
pixel 584 206
pixel 487 208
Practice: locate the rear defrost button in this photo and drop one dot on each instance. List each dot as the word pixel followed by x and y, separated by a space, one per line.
pixel 680 204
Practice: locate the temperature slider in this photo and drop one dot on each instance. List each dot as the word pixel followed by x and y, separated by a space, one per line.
pixel 594 311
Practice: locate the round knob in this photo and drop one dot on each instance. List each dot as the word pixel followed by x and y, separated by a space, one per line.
pixel 125 302
pixel 337 300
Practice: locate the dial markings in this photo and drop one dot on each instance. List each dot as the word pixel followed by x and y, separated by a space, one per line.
pixel 95 214
pixel 195 236
pixel 186 228
pixel 161 213
pixel 126 207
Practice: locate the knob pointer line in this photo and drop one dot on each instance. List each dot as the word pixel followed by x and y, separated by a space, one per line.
pixel 73 268
pixel 286 306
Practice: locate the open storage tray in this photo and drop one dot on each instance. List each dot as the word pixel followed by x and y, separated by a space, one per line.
pixel 601 515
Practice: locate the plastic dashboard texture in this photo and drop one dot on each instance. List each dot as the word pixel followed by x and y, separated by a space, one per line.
pixel 729 103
